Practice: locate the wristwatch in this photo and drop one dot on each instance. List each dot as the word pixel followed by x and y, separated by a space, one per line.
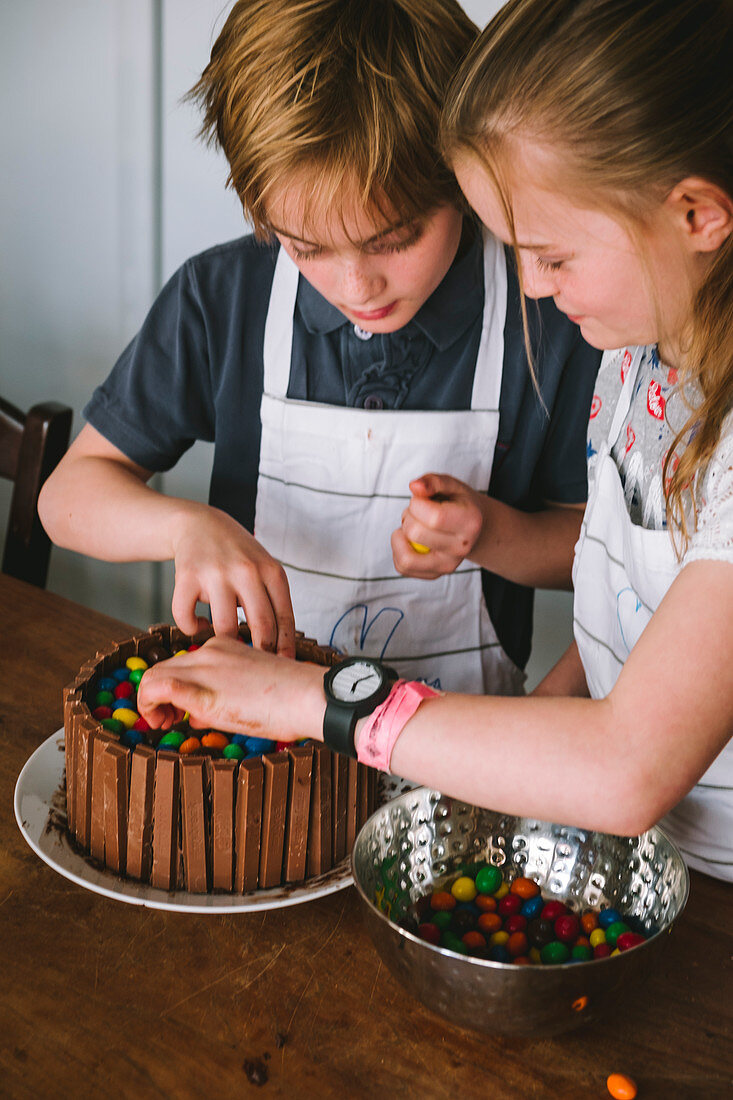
pixel 354 688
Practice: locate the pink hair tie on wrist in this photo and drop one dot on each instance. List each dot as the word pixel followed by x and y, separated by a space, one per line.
pixel 384 725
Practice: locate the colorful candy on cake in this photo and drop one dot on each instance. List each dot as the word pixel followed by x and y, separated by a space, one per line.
pixel 200 810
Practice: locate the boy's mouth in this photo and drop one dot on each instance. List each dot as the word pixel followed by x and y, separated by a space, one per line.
pixel 374 314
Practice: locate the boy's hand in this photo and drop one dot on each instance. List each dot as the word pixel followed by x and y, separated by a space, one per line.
pixel 440 527
pixel 221 564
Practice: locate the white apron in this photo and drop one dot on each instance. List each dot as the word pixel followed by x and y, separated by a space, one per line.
pixel 332 486
pixel 620 575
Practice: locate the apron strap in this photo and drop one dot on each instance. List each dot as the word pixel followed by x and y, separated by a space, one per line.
pixel 490 359
pixel 633 360
pixel 277 348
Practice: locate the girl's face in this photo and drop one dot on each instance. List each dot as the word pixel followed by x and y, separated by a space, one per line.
pixel 584 259
pixel 377 275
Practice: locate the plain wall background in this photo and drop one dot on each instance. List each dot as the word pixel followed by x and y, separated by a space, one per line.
pixel 105 191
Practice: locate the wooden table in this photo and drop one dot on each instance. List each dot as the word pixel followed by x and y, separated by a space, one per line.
pixel 101 998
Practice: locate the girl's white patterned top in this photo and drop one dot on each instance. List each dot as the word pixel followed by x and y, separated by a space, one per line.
pixel 657 412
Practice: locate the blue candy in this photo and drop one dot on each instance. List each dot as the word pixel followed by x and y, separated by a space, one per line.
pixel 107 684
pixel 532 907
pixel 121 674
pixel 499 954
pixel 240 739
pixel 131 738
pixel 258 745
pixel 128 704
pixel 608 916
pixel 469 906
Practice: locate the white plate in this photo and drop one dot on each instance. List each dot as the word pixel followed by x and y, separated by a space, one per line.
pixel 37 798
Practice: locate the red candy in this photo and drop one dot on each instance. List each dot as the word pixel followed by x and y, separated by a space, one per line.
pixel 515 923
pixel 141 725
pixel 430 933
pixel 567 928
pixel 601 951
pixel 102 712
pixel 629 939
pixel 510 904
pixel 553 910
pixel 124 690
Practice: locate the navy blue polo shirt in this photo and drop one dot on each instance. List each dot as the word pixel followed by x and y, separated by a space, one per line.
pixel 195 371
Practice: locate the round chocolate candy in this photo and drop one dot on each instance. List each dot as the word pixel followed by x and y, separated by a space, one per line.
pixel 488 880
pixel 540 932
pixel 156 653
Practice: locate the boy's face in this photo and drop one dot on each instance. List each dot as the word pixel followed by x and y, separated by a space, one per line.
pixel 376 273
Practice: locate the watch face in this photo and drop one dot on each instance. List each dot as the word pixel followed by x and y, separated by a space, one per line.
pixel 356 681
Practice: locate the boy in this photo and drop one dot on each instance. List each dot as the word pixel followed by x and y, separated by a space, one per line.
pixel 383 338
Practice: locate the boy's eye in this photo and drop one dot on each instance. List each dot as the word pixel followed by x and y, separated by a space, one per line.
pixel 394 243
pixel 305 254
pixel 548 265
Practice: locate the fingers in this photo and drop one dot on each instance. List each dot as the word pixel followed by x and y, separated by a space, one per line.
pixel 183 605
pixel 269 610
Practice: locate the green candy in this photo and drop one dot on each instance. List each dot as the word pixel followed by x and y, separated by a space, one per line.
pixel 442 919
pixel 452 942
pixel 173 738
pixel 615 930
pixel 136 675
pixel 113 725
pixel 233 752
pixel 104 699
pixel 488 880
pixel 554 953
pixel 580 951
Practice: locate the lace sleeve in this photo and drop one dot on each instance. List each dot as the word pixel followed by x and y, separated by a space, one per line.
pixel 714 535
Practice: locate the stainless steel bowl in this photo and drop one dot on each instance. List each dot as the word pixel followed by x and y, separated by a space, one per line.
pixel 422 836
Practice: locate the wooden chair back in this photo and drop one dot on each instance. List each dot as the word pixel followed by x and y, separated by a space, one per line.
pixel 31 445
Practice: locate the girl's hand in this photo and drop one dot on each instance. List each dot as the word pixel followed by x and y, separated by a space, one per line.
pixel 221 564
pixel 440 527
pixel 229 686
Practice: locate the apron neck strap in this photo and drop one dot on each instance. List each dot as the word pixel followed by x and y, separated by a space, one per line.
pixel 630 365
pixel 278 345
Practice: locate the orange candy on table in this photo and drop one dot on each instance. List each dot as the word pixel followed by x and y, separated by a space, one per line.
pixel 621 1087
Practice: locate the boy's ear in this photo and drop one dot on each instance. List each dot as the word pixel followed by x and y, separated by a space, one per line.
pixel 702 211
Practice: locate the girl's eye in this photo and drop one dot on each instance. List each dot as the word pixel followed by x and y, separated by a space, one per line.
pixel 386 247
pixel 548 265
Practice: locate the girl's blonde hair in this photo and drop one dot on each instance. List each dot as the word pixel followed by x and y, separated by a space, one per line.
pixel 339 94
pixel 634 96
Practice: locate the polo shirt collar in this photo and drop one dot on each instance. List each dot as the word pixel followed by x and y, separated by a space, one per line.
pixel 443 318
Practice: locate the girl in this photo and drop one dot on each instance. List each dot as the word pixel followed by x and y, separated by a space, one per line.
pixel 595 137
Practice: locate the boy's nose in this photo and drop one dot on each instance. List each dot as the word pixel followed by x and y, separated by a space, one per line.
pixel 361 285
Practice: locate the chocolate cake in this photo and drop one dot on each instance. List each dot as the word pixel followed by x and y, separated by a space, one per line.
pixel 203 813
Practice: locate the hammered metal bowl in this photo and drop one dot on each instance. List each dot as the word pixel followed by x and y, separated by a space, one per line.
pixel 422 836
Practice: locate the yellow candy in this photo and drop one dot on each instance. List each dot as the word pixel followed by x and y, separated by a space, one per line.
pixel 134 663
pixel 126 716
pixel 499 938
pixel 418 547
pixel 534 954
pixel 463 889
pixel 616 951
pixel 597 936
pixel 502 891
pixel 180 653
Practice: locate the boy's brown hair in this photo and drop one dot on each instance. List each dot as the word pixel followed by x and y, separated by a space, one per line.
pixel 345 94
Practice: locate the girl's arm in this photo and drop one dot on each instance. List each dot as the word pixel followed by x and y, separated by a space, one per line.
pixel 97 502
pixel 616 764
pixel 456 522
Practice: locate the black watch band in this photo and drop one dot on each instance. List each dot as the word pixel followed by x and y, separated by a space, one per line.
pixel 340 717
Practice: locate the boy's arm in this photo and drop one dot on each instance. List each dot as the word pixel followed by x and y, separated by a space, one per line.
pixel 97 502
pixel 456 522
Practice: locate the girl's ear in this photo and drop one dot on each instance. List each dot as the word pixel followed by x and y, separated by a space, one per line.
pixel 702 211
